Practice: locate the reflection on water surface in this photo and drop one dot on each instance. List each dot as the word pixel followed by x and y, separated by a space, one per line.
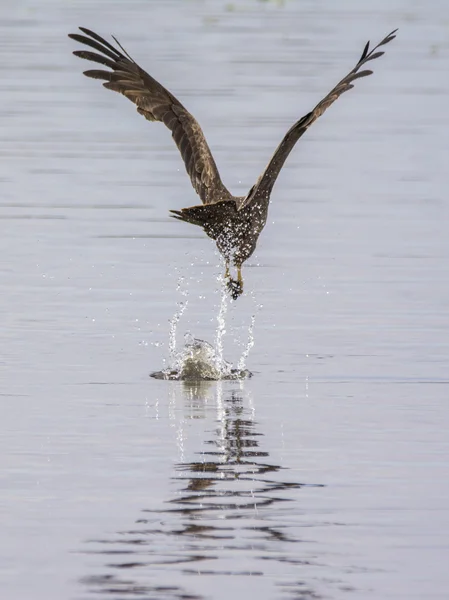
pixel 223 505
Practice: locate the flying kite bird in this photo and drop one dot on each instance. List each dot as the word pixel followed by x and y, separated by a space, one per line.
pixel 234 222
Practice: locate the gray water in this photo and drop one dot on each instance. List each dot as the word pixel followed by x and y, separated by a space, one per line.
pixel 325 475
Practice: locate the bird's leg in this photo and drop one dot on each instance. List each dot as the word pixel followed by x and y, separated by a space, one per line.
pixel 240 278
pixel 227 273
pixel 235 286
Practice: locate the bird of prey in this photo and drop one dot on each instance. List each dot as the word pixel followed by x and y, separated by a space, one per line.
pixel 234 222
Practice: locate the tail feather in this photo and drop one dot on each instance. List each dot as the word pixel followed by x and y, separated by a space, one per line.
pixel 207 216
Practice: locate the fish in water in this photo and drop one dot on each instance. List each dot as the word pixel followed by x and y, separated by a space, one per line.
pixel 234 222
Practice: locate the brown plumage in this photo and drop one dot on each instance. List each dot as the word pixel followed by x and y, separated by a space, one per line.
pixel 234 222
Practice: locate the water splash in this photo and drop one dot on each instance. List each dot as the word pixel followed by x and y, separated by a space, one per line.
pixel 198 360
pixel 221 327
pixel 250 342
pixel 182 305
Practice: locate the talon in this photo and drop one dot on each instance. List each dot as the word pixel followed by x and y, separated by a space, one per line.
pixel 235 288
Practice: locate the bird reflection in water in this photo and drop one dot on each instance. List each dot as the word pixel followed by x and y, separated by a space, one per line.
pixel 222 518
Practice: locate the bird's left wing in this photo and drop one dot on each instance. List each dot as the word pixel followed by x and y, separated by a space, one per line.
pixel 264 185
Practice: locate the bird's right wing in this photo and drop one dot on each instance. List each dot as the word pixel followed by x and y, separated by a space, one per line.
pixel 264 185
pixel 156 103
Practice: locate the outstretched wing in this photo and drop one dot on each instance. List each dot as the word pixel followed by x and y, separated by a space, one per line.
pixel 264 185
pixel 156 103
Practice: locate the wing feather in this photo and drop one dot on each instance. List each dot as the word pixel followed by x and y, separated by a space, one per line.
pixel 264 185
pixel 155 103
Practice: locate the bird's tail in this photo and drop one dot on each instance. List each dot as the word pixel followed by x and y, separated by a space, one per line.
pixel 208 216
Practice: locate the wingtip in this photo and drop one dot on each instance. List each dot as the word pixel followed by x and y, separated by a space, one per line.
pixel 76 36
pixel 85 30
pixel 392 35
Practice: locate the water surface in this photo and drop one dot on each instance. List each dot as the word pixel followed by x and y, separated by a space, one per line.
pixel 325 475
